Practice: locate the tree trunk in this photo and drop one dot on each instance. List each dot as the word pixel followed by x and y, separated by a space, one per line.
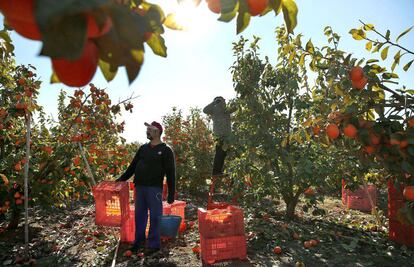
pixel 14 219
pixel 290 208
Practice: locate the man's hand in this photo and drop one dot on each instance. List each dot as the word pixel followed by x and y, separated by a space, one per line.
pixel 170 199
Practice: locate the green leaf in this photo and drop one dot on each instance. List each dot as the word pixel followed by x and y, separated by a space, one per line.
pixel 407 167
pixel 387 35
pixel 229 14
pixel 389 75
pixel 154 12
pixel 384 53
pixel 309 47
pixel 157 44
pixel 132 69
pixel 63 25
pixel 347 59
pixel 243 18
pixel 290 13
pixel 106 70
pixel 5 36
pixel 408 65
pixel 369 61
pixel 171 22
pixel 228 6
pixel 377 47
pixel 276 5
pixel 404 33
pixel 322 66
pixel 368 46
pixel 64 38
pixel 396 60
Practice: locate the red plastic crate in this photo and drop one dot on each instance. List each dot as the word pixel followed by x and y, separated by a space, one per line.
pixel 128 227
pixel 393 207
pixel 176 208
pixel 111 203
pixel 217 205
pixel 394 193
pixel 220 222
pixel 358 199
pixel 395 199
pixel 359 203
pixel 132 193
pixel 401 234
pixel 223 248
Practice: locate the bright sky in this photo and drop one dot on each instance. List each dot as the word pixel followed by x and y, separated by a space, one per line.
pixel 197 67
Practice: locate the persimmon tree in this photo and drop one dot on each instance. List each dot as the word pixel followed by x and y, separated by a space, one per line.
pixel 358 105
pixel 271 104
pixel 79 35
pixel 65 154
pixel 192 143
pixel 19 88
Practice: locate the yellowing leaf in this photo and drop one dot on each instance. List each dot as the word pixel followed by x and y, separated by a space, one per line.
pixel 290 13
pixel 384 53
pixel 357 34
pixel 106 70
pixel 369 27
pixel 309 47
pixel 54 78
pixel 368 46
pixel 171 22
pixel 404 33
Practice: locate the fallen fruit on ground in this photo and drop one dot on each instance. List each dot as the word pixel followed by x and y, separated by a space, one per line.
pixel 128 253
pixel 277 250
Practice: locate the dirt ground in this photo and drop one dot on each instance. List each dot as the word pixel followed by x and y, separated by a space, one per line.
pixel 346 238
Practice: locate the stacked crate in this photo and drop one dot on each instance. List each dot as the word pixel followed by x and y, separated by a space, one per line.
pixel 358 199
pixel 400 233
pixel 111 203
pixel 221 234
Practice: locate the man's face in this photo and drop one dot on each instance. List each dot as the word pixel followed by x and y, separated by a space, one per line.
pixel 152 132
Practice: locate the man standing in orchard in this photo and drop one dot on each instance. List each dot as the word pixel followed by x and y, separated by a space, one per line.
pixel 151 163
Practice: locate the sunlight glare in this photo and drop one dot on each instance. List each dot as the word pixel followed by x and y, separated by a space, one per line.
pixel 194 19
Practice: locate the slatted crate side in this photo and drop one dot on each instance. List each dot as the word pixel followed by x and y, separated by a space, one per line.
pixel 402 234
pixel 223 248
pixel 111 203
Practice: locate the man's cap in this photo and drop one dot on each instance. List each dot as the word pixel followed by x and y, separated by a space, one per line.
pixel 155 124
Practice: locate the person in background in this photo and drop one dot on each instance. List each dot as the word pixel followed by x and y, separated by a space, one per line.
pixel 151 163
pixel 220 115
